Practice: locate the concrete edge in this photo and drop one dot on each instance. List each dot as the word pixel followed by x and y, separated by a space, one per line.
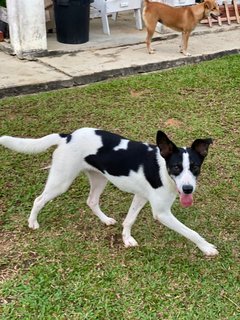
pixel 35 88
pixel 109 74
pixel 151 67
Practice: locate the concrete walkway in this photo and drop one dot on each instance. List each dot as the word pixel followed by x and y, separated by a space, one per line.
pixel 90 63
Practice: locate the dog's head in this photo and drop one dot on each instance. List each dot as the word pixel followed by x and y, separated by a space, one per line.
pixel 183 164
pixel 211 9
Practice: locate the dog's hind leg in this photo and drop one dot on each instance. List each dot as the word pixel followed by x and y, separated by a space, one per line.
pixel 51 191
pixel 150 32
pixel 63 171
pixel 136 205
pixel 97 184
pixel 150 25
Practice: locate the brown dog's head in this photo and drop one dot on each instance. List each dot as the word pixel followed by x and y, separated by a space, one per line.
pixel 211 9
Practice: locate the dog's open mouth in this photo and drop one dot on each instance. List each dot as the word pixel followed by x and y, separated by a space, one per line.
pixel 186 200
pixel 213 16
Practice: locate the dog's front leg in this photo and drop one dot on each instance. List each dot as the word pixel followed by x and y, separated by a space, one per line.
pixel 136 205
pixel 168 219
pixel 184 44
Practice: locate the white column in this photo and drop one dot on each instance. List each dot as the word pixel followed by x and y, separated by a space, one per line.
pixel 27 27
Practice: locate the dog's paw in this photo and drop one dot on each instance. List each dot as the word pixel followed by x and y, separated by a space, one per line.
pixel 186 54
pixel 33 224
pixel 130 242
pixel 151 51
pixel 209 250
pixel 110 221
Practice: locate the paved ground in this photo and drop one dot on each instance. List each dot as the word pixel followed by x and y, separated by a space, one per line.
pixel 103 57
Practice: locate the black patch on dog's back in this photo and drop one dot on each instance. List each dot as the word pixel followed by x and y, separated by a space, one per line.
pixel 68 136
pixel 121 162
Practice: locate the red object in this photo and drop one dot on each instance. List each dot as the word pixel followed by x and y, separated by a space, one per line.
pixel 1 36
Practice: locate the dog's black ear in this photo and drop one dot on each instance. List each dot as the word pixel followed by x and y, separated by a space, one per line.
pixel 166 146
pixel 201 146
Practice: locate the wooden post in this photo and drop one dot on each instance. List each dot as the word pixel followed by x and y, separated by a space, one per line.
pixel 219 21
pixel 236 11
pixel 210 22
pixel 227 12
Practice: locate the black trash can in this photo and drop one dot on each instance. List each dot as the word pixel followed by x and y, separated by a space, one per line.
pixel 72 20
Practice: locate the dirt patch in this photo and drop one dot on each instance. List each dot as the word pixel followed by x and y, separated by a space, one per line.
pixel 173 123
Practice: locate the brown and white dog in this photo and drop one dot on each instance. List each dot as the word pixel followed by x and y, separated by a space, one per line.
pixel 182 19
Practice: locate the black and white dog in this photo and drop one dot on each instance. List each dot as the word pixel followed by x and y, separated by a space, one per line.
pixel 154 173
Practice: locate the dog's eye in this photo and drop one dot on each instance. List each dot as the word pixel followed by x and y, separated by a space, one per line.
pixel 195 169
pixel 175 170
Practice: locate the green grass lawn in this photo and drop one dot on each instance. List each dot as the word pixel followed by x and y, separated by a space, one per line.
pixel 74 267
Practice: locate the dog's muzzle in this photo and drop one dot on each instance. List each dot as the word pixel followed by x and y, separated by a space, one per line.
pixel 186 197
pixel 214 16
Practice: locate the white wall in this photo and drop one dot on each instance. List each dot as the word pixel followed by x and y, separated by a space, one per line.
pixel 27 27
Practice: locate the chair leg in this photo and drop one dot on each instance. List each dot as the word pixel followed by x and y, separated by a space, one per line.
pixel 138 19
pixel 105 24
pixel 114 16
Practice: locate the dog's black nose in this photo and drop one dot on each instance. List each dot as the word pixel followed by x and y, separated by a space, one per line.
pixel 187 188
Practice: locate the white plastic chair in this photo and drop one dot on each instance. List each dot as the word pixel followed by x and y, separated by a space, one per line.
pixel 112 7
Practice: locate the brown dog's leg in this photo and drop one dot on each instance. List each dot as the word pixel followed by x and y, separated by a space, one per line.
pixel 150 32
pixel 184 45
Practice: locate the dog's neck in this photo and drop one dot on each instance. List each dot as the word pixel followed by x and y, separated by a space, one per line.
pixel 199 11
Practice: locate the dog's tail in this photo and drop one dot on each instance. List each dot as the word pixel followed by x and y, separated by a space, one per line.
pixel 25 145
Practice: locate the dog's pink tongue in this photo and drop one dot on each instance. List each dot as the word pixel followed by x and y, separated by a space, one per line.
pixel 186 200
